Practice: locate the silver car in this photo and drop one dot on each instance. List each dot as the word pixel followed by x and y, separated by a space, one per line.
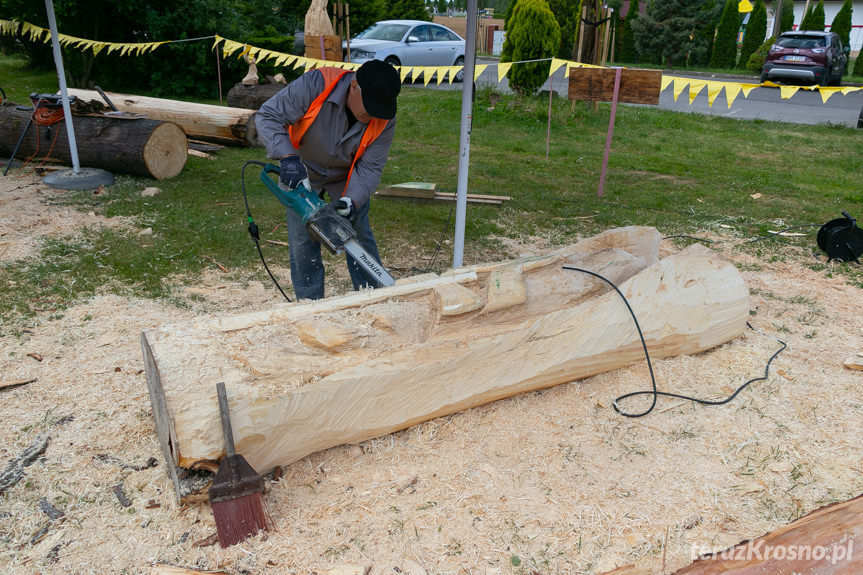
pixel 409 43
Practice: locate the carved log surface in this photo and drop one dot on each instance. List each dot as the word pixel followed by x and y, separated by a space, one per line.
pixel 307 376
pixel 220 124
pixel 824 542
pixel 252 97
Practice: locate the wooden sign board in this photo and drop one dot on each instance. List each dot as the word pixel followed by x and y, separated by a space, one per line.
pixel 637 86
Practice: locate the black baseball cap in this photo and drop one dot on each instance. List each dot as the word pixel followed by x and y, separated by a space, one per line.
pixel 380 85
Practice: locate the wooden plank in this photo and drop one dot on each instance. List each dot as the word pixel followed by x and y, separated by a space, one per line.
pixel 411 190
pixel 442 196
pixel 820 543
pixel 637 86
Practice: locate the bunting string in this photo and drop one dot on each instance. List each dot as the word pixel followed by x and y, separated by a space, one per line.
pixel 694 87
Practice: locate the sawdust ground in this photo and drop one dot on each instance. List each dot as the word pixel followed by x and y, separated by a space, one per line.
pixel 546 482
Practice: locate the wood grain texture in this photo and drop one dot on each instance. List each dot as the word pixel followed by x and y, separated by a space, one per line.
pixel 307 376
pixel 145 147
pixel 597 85
pixel 219 124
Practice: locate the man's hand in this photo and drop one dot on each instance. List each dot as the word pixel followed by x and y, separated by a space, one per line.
pixel 345 208
pixel 292 171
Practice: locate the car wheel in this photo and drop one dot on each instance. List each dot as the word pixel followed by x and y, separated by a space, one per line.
pixel 763 77
pixel 826 79
pixel 392 61
pixel 459 77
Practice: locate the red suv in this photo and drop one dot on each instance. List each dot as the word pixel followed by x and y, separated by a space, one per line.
pixel 806 57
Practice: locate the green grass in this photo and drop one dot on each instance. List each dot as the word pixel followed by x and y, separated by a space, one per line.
pixel 683 173
pixel 19 81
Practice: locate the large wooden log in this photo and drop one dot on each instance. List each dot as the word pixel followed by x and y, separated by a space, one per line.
pixel 252 96
pixel 307 376
pixel 143 147
pixel 219 124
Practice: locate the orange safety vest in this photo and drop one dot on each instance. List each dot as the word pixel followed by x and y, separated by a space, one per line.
pixel 297 130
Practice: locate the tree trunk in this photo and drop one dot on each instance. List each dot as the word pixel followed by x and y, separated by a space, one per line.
pixel 308 376
pixel 219 124
pixel 252 97
pixel 143 147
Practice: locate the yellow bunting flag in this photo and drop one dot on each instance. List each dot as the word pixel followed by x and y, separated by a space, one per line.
pixel 9 27
pixel 827 92
pixel 746 88
pixel 427 75
pixel 478 70
pixel 744 6
pixel 556 63
pixel 695 87
pixel 502 70
pixel 787 91
pixel 713 89
pixel 439 72
pixel 404 71
pixel 849 89
pixel 666 82
pixel 679 85
pixel 732 90
pixel 451 72
pixel 284 59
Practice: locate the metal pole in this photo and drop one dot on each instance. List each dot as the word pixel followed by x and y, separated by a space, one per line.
pixel 464 138
pixel 61 75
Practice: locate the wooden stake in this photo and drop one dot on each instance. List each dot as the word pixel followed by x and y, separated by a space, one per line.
pixel 348 32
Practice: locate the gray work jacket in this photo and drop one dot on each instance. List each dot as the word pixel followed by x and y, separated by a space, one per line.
pixel 328 146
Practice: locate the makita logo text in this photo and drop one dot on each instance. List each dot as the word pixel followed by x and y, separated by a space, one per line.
pixel 372 265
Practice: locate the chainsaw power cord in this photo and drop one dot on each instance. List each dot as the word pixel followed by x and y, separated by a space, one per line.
pixel 654 392
pixel 253 227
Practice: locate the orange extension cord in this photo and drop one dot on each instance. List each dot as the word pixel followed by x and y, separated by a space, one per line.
pixel 44 117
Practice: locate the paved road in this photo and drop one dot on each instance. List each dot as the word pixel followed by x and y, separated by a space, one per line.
pixel 804 107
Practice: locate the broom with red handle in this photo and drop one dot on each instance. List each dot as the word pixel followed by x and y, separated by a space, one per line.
pixel 237 492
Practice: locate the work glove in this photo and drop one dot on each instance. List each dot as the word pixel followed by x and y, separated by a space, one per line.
pixel 345 208
pixel 292 172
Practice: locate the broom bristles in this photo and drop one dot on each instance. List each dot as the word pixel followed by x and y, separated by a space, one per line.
pixel 237 519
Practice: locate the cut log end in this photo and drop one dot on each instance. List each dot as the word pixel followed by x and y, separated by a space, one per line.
pixel 165 151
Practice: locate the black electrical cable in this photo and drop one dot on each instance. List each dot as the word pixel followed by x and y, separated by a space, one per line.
pixel 439 242
pixel 706 241
pixel 654 392
pixel 253 227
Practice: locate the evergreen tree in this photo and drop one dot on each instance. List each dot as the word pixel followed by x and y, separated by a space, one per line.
pixel 407 10
pixel 858 65
pixel 725 46
pixel 842 24
pixel 814 19
pixel 628 52
pixel 786 22
pixel 668 33
pixel 704 47
pixel 565 13
pixel 756 30
pixel 440 6
pixel 533 34
pixel 510 9
pixel 757 59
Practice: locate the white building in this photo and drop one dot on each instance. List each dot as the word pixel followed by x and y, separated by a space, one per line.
pixel 831 7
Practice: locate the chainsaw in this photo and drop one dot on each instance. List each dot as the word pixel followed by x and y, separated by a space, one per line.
pixel 326 226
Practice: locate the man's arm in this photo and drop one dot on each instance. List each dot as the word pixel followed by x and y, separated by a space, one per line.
pixel 286 107
pixel 370 166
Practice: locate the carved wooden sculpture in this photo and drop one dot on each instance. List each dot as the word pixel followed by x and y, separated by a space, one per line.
pixel 306 376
